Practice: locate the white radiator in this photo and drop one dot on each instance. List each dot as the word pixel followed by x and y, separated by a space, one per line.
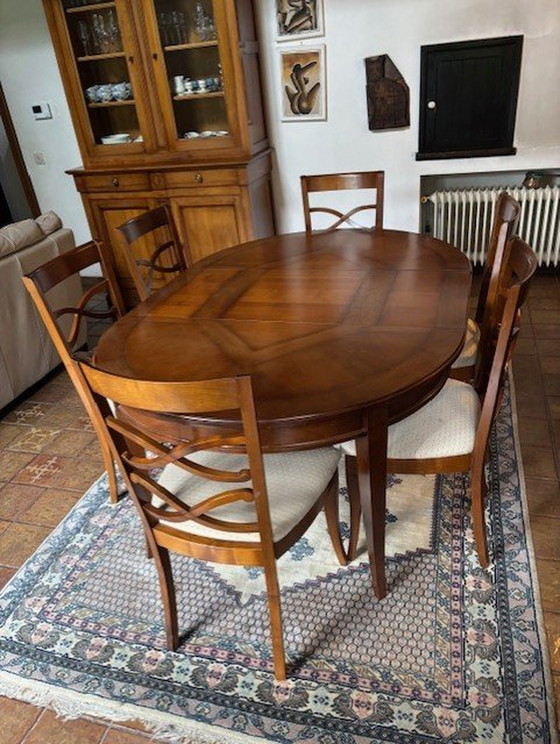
pixel 464 219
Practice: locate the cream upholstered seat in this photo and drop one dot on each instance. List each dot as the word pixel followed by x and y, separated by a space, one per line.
pixel 505 216
pixel 444 427
pixel 197 496
pixel 451 432
pixel 467 357
pixel 293 482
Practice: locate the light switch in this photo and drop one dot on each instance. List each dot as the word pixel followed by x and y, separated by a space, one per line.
pixel 39 158
pixel 42 110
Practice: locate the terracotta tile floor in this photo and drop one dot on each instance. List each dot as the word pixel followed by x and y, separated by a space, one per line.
pixel 42 474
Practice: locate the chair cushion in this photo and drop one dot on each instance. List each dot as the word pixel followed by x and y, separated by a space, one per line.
pixel 444 427
pixel 294 481
pixel 467 356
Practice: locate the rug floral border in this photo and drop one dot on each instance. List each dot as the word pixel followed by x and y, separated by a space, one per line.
pixel 514 710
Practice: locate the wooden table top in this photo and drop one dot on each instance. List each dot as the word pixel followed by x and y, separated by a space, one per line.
pixel 324 323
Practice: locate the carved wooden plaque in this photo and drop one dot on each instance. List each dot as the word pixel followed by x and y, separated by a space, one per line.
pixel 388 96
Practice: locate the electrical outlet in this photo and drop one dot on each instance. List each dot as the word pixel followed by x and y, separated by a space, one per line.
pixel 39 158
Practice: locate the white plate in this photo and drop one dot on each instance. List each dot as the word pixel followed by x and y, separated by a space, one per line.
pixel 116 139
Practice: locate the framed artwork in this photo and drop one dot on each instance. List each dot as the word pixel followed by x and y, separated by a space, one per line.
pixel 303 84
pixel 298 19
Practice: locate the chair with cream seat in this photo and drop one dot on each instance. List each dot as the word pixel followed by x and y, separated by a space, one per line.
pixel 64 325
pixel 451 432
pixel 505 218
pixel 218 499
pixel 153 252
pixel 373 181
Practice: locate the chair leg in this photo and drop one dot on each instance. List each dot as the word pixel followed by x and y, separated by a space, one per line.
pixel 167 589
pixel 111 473
pixel 275 614
pixel 333 520
pixel 351 466
pixel 478 496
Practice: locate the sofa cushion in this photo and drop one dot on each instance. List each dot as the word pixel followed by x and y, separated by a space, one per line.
pixel 49 222
pixel 16 236
pixel 19 235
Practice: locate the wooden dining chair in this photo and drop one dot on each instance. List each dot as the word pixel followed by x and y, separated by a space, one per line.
pixel 154 253
pixel 450 434
pixel 505 218
pixel 372 181
pixel 64 324
pixel 236 507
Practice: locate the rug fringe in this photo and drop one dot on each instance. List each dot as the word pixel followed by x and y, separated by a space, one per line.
pixel 71 705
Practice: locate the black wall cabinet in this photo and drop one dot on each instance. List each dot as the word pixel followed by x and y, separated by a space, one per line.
pixel 468 98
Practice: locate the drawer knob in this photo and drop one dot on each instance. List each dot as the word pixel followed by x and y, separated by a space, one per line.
pixel 115 182
pixel 199 178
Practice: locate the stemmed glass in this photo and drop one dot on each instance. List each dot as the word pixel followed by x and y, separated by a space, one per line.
pixel 100 34
pixel 113 32
pixel 84 36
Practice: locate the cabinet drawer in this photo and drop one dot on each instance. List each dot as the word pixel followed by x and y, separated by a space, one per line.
pixel 200 177
pixel 115 182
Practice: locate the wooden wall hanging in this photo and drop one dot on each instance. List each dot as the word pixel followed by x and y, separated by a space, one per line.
pixel 388 96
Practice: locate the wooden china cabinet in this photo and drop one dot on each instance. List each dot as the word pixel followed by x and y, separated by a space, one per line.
pixel 165 98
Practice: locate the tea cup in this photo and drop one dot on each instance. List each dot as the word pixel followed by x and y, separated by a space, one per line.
pixel 92 93
pixel 120 91
pixel 105 92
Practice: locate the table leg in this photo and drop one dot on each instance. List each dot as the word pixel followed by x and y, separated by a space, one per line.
pixel 371 452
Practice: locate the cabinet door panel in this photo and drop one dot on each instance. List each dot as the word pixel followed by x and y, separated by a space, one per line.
pixel 108 214
pixel 210 223
pixel 197 70
pixel 99 58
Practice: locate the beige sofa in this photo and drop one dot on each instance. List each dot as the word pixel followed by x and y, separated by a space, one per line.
pixel 26 351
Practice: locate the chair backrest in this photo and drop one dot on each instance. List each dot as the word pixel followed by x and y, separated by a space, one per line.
pixel 131 442
pixel 39 282
pixel 518 270
pixel 505 218
pixel 153 251
pixel 372 180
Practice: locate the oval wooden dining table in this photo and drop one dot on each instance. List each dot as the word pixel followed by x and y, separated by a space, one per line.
pixel 342 332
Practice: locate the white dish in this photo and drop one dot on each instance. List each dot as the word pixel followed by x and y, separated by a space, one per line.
pixel 116 139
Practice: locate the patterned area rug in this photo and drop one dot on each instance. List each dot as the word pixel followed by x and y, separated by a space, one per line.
pixel 454 653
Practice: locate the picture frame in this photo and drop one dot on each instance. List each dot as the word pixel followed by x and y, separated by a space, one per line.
pixel 303 83
pixel 299 19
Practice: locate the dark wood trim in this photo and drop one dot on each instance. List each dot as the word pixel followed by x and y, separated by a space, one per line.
pixel 17 155
pixel 466 154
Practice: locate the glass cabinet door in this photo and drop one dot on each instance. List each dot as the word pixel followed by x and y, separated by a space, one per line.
pixel 192 75
pixel 97 34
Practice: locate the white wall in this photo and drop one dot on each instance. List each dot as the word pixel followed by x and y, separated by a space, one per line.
pixel 356 29
pixel 29 75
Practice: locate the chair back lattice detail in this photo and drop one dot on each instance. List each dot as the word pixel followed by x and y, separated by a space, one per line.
pixel 518 269
pixel 372 181
pixel 185 397
pixel 178 511
pixel 505 218
pixel 39 283
pixel 150 267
